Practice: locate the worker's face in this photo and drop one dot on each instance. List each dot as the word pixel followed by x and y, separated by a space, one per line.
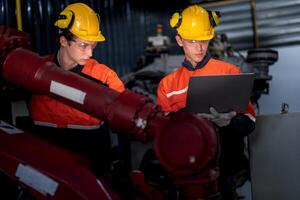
pixel 79 51
pixel 194 50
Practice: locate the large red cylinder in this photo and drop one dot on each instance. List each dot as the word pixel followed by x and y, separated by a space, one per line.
pixel 185 145
pixel 125 112
pixel 29 71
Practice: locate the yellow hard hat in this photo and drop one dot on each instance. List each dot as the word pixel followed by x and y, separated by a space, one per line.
pixel 195 23
pixel 82 21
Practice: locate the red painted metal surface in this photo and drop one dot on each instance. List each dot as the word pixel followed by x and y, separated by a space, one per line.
pixel 185 145
pixel 66 169
pixel 187 148
pixel 122 111
pixel 10 39
pixel 146 192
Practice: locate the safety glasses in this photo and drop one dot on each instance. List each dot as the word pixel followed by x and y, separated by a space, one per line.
pixel 195 43
pixel 83 46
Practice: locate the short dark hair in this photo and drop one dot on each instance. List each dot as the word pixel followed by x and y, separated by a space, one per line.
pixel 66 33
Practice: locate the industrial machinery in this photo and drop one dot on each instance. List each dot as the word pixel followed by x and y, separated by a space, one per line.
pixel 159 60
pixel 186 146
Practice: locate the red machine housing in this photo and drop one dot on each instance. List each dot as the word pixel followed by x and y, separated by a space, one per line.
pixel 185 145
pixel 48 171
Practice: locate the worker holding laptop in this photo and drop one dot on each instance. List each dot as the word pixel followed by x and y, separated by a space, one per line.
pixel 195 28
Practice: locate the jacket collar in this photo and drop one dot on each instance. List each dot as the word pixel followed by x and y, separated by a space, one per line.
pixel 199 65
pixel 77 69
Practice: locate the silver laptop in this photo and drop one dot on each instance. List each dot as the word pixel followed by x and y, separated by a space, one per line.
pixel 224 92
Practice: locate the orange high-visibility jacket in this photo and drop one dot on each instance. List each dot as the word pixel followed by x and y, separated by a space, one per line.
pixel 172 89
pixel 47 111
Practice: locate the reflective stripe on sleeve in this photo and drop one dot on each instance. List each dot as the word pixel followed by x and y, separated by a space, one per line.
pixel 176 92
pixel 83 127
pixel 251 117
pixel 40 123
pixel 71 126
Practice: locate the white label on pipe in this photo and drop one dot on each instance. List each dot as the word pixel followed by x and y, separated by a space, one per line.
pixel 36 180
pixel 67 92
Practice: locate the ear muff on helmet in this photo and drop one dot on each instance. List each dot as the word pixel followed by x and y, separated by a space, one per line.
pixel 176 20
pixel 82 21
pixel 214 17
pixel 65 20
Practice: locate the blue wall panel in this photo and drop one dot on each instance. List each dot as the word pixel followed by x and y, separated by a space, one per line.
pixel 125 25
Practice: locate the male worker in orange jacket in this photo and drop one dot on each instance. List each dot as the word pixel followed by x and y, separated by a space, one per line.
pixel 78 33
pixel 195 28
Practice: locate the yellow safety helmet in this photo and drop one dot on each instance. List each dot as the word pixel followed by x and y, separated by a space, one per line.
pixel 82 21
pixel 195 23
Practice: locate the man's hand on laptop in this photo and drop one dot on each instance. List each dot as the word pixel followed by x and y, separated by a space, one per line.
pixel 220 119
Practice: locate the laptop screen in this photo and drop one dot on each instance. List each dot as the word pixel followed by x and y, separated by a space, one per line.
pixel 223 92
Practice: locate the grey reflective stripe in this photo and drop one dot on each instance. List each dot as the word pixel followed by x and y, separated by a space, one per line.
pixel 40 123
pixel 71 126
pixel 251 117
pixel 177 92
pixel 83 127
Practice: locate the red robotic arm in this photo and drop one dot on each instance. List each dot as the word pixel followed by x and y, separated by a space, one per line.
pixel 185 145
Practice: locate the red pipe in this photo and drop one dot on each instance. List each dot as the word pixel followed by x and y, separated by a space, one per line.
pixel 25 157
pixel 185 145
pixel 125 112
